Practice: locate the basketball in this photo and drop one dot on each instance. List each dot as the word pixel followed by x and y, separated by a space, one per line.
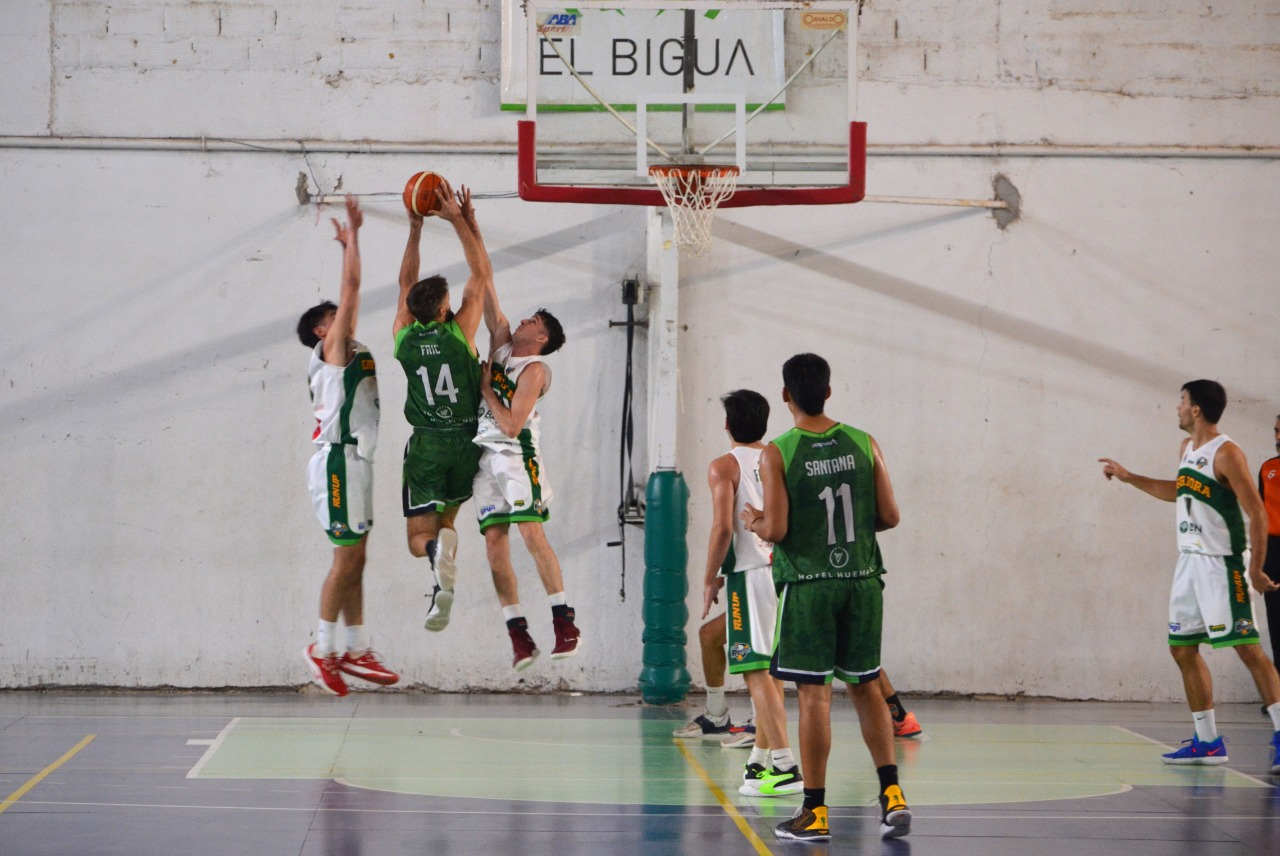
pixel 420 192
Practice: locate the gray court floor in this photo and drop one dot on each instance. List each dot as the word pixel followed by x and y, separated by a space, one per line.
pixel 402 773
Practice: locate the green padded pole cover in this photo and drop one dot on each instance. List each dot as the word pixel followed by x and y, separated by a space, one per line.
pixel 664 678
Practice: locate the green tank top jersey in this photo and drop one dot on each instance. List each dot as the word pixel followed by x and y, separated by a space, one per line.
pixel 831 529
pixel 443 378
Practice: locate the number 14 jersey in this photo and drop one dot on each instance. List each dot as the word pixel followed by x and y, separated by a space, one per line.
pixel 443 378
pixel 831 529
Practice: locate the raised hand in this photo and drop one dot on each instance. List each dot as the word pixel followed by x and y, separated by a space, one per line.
pixel 344 232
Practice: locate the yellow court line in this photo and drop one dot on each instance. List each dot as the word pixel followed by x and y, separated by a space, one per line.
pixel 38 777
pixel 729 808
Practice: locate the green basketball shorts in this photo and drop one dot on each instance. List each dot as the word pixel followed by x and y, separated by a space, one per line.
pixel 829 628
pixel 438 471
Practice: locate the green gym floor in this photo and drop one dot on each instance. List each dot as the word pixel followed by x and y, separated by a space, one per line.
pixel 381 773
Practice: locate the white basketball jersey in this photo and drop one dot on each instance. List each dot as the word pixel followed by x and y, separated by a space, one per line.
pixel 1209 518
pixel 345 400
pixel 506 374
pixel 748 550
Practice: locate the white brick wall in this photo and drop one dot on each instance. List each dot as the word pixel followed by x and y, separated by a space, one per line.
pixel 192 19
pixel 142 20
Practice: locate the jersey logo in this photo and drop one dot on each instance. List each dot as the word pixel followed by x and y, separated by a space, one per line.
pixel 1202 462
pixel 839 557
pixel 1244 627
pixel 444 412
pixel 739 651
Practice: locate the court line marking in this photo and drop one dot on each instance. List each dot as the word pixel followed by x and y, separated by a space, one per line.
pixel 202 741
pixel 1172 816
pixel 39 777
pixel 214 744
pixel 1226 767
pixel 729 808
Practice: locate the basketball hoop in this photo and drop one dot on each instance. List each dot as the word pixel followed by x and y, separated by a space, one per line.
pixel 693 192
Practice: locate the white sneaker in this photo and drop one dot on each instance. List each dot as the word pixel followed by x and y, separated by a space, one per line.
pixel 444 565
pixel 441 606
pixel 447 559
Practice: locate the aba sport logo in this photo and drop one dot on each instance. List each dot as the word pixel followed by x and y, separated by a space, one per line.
pixel 1174 626
pixel 739 651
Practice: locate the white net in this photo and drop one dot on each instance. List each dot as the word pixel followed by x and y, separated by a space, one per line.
pixel 692 193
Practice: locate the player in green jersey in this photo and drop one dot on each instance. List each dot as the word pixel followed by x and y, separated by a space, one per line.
pixel 436 348
pixel 826 495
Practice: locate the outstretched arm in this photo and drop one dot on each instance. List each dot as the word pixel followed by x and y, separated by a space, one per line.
pixel 1166 489
pixel 409 267
pixel 457 210
pixel 494 321
pixel 343 328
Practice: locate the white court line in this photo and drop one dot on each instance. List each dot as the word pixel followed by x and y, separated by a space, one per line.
pixel 213 748
pixel 916 815
pixel 1226 767
pixel 202 741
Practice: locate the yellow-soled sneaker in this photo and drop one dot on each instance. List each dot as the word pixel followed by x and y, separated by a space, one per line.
pixel 895 817
pixel 806 825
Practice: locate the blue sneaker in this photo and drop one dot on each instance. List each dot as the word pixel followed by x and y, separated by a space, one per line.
pixel 1275 754
pixel 1196 751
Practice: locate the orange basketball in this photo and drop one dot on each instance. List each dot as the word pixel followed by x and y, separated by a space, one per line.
pixel 420 192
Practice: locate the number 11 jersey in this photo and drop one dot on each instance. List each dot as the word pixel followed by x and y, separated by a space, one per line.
pixel 831 528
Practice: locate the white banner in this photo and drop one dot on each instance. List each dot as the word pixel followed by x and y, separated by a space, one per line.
pixel 638 54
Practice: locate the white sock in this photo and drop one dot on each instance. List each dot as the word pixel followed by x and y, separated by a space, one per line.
pixel 512 611
pixel 759 756
pixel 783 759
pixel 326 633
pixel 1206 725
pixel 557 599
pixel 357 639
pixel 717 704
pixel 1273 711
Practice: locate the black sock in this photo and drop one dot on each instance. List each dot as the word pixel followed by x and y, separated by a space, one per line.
pixel 895 708
pixel 431 552
pixel 888 776
pixel 517 622
pixel 814 797
pixel 562 611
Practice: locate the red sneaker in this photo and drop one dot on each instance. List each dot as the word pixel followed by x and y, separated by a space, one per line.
pixel 325 671
pixel 369 668
pixel 566 636
pixel 522 643
pixel 908 727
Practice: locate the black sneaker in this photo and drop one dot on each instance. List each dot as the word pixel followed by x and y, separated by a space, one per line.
pixel 895 817
pixel 806 825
